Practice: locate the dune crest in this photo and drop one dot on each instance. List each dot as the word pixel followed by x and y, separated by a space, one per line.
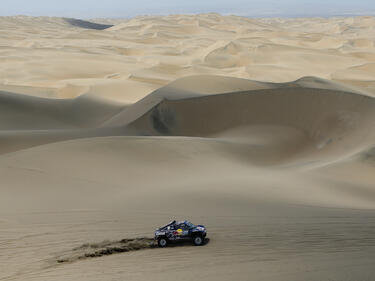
pixel 306 120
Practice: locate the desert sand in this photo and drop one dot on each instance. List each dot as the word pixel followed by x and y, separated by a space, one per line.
pixel 261 129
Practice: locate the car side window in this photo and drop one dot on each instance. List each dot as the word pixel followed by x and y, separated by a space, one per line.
pixel 184 227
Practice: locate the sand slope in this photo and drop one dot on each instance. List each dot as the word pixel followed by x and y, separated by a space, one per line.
pixel 251 164
pixel 312 119
pixel 263 130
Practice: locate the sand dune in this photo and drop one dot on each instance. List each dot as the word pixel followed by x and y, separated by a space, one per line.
pixel 21 112
pixel 261 129
pixel 308 116
pixel 77 60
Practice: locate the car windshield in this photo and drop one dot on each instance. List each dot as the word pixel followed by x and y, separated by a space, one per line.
pixel 168 225
pixel 189 224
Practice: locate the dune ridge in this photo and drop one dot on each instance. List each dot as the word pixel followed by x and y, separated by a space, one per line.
pixel 307 117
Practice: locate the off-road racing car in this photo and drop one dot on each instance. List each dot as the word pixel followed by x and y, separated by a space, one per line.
pixel 176 231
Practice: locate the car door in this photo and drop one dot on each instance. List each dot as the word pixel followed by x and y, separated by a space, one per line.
pixel 184 231
pixel 172 233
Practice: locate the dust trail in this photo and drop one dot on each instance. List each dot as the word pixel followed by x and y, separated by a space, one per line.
pixel 105 248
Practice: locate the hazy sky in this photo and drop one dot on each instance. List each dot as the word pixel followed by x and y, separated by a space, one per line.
pixel 127 8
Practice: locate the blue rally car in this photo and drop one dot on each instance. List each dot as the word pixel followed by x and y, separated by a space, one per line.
pixel 176 231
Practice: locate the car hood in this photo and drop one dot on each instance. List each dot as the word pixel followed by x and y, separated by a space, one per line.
pixel 199 228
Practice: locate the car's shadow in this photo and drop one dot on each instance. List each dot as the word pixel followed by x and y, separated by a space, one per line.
pixel 187 243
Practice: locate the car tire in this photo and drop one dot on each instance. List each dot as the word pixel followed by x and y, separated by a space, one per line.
pixel 198 240
pixel 163 242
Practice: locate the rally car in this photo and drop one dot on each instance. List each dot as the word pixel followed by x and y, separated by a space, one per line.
pixel 176 231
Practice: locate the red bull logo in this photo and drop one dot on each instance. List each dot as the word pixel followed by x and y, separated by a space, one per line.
pixel 178 232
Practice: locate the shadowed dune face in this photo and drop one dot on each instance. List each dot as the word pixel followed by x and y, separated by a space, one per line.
pixel 87 24
pixel 287 120
pixel 307 120
pixel 314 111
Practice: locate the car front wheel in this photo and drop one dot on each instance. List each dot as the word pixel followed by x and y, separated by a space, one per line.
pixel 198 240
pixel 162 242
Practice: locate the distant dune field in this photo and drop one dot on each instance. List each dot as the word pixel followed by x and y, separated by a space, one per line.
pixel 263 130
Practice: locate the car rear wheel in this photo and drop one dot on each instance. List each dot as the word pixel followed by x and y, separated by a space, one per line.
pixel 162 242
pixel 198 240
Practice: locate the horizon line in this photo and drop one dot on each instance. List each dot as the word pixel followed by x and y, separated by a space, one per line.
pixel 281 15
